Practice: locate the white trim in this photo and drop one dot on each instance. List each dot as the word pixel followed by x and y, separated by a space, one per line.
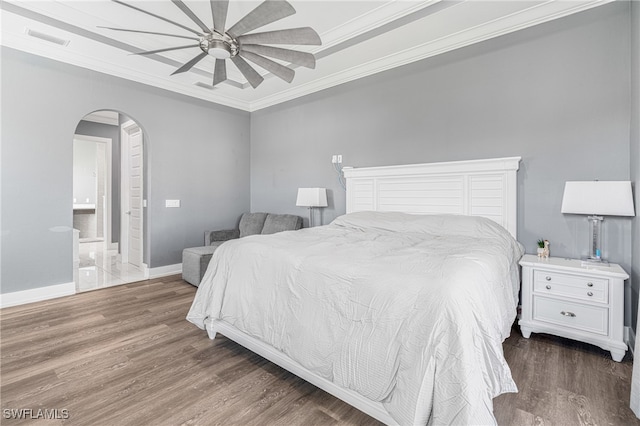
pixel 375 18
pixel 125 132
pixel 25 43
pixel 372 408
pixel 135 69
pixel 37 294
pixel 103 117
pixel 465 166
pixel 163 271
pixel 124 199
pixel 536 15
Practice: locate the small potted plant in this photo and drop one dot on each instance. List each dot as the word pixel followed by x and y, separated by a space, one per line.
pixel 540 248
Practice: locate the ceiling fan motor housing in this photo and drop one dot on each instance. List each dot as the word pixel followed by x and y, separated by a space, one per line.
pixel 219 46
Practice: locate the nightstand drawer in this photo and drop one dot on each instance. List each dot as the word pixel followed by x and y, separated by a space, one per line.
pixel 592 319
pixel 593 294
pixel 572 285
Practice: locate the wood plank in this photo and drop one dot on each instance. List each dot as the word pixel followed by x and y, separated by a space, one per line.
pixel 126 355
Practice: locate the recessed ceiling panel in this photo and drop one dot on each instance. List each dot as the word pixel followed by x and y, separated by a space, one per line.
pixel 359 38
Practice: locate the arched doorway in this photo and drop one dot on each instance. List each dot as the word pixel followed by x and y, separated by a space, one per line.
pixel 108 201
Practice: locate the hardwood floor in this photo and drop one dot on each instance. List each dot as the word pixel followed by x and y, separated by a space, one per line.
pixel 126 356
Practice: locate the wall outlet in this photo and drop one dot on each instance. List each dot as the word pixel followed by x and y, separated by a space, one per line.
pixel 336 159
pixel 339 159
pixel 172 203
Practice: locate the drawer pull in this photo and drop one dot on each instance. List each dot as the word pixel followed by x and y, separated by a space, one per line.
pixel 589 293
pixel 548 278
pixel 589 284
pixel 568 314
pixel 548 287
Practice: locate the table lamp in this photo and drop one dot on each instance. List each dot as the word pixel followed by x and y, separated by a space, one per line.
pixel 312 198
pixel 597 199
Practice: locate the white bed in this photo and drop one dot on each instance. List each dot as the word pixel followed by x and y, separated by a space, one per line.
pixel 401 316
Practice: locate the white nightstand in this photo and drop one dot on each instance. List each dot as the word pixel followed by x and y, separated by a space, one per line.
pixel 561 297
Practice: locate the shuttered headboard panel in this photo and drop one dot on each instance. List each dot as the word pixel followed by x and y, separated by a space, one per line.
pixel 476 188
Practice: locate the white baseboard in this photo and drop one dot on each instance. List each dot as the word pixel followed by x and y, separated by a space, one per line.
pixel 37 294
pixel 163 271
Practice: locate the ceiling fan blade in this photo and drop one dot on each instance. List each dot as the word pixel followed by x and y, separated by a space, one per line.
pixel 219 72
pixel 184 8
pixel 303 59
pixel 167 49
pixel 151 32
pixel 190 64
pixel 219 12
pixel 267 12
pixel 156 16
pixel 305 35
pixel 247 71
pixel 274 68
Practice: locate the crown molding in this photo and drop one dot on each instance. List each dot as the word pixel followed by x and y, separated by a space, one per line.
pixel 20 41
pixel 507 24
pixel 142 72
pixel 371 20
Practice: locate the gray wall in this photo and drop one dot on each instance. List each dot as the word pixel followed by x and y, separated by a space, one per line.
pixel 635 153
pixel 90 128
pixel 556 94
pixel 197 152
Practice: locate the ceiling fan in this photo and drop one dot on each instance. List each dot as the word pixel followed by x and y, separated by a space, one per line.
pixel 236 43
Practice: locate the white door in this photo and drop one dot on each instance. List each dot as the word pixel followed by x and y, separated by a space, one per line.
pixel 132 196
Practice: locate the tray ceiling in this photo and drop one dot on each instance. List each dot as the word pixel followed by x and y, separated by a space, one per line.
pixel 359 38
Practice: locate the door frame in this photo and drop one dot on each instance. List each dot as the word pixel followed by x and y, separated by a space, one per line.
pixel 126 129
pixel 109 171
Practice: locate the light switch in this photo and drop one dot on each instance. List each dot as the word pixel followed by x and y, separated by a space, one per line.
pixel 172 203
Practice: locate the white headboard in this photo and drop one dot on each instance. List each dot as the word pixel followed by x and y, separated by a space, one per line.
pixel 476 188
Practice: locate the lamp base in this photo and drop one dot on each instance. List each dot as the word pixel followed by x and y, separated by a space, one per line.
pixel 311 224
pixel 587 261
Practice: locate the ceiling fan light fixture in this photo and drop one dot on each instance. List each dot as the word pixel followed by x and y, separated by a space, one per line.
pixel 219 49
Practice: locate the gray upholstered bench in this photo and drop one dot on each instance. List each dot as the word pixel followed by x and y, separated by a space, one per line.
pixel 194 263
pixel 196 259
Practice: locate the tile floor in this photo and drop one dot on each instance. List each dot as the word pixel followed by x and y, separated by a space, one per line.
pixel 99 267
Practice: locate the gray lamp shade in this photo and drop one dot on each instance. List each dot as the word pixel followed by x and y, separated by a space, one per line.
pixel 606 198
pixel 312 197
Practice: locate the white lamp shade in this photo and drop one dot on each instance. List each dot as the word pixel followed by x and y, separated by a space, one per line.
pixel 312 197
pixel 606 198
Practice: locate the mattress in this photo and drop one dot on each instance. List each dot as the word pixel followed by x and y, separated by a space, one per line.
pixel 406 310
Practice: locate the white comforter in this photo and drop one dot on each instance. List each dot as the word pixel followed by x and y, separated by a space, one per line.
pixel 407 310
